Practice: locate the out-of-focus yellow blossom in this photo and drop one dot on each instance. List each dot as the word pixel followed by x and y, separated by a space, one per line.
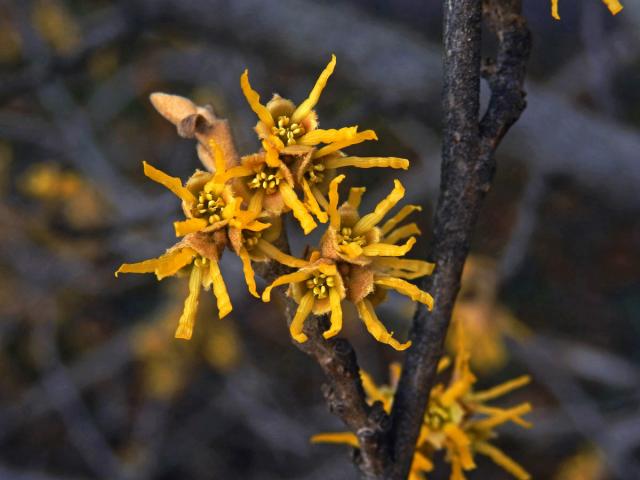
pixel 614 7
pixel 56 24
pixel 269 186
pixel 587 464
pixel 483 318
pixel 458 420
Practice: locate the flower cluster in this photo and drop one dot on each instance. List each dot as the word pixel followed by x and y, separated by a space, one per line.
pixel 614 7
pixel 237 204
pixel 458 421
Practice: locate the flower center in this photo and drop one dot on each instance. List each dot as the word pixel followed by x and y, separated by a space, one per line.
pixel 250 239
pixel 209 207
pixel 320 285
pixel 436 416
pixel 287 131
pixel 315 174
pixel 348 237
pixel 268 179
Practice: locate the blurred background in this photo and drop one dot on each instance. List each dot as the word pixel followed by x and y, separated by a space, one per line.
pixel 92 383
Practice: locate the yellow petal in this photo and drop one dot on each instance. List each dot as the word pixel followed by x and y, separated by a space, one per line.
pixel 458 388
pixel 319 135
pixel 355 196
pixel 406 288
pixel 272 157
pixel 163 266
pixel 334 216
pixel 303 311
pixel 172 183
pixel 370 388
pixel 255 203
pixel 370 220
pixel 295 277
pixel 220 290
pixel 421 463
pixel 188 318
pixel 256 226
pixel 367 162
pixel 376 328
pixel 501 389
pixel 189 226
pixel 218 156
pixel 312 203
pixel 335 146
pixel 504 416
pixel 456 468
pixel 462 443
pixel 338 437
pixel 501 459
pixel 351 250
pixel 254 101
pixel 387 250
pixel 274 253
pixel 249 275
pixel 336 314
pixel 305 107
pixel 554 9
pixel 404 268
pixel 614 6
pixel 398 217
pixel 238 171
pixel 299 210
pixel 402 232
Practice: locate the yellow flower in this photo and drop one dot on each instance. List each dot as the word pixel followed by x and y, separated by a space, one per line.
pixel 269 186
pixel 614 7
pixel 200 251
pixel 317 287
pixel 283 123
pixel 458 420
pixel 483 318
pixel 318 168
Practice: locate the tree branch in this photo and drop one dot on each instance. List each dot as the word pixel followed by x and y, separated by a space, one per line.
pixel 468 165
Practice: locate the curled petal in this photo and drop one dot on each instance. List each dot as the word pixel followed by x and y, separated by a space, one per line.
pixel 404 268
pixel 501 459
pixel 501 389
pixel 306 106
pixel 254 101
pixel 387 250
pixel 295 277
pixel 421 463
pixel 355 196
pixel 172 183
pixel 163 266
pixel 376 328
pixel 347 438
pixel 220 290
pixel 368 162
pixel 334 215
pixel 398 217
pixel 554 9
pixel 297 324
pixel 189 226
pixel 312 203
pixel 335 146
pixel 272 252
pixel 319 135
pixel 336 314
pixel 406 288
pixel 299 210
pixel 503 416
pixel 370 388
pixel 351 250
pixel 188 318
pixel 402 232
pixel 372 219
pixel 256 201
pixel 462 443
pixel 614 6
pixel 249 275
pixel 272 158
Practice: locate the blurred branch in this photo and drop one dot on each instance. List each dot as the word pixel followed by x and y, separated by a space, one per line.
pixel 467 169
